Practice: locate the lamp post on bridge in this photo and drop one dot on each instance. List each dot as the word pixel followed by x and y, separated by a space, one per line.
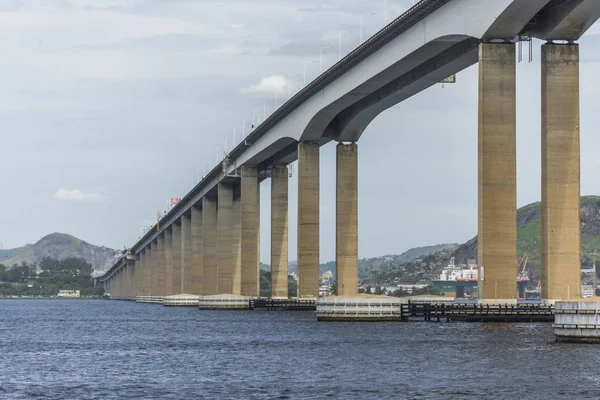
pixel 323 48
pixel 361 24
pixel 305 64
pixel 340 46
pixel 289 85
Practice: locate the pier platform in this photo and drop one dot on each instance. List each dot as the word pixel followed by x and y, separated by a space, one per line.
pixel 181 300
pixel 359 308
pixel 224 302
pixel 294 304
pixel 149 299
pixel 577 321
pixel 477 312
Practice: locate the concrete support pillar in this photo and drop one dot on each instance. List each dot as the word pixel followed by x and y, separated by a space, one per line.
pixel 176 276
pixel 225 238
pixel 161 269
pixel 346 236
pixel 141 273
pixel 236 216
pixel 497 238
pixel 308 220
pixel 186 254
pixel 279 232
pixel 153 269
pixel 250 218
pixel 196 270
pixel 561 263
pixel 146 272
pixel 132 286
pixel 209 246
pixel 168 262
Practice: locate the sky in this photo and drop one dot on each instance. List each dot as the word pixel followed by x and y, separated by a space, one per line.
pixel 110 107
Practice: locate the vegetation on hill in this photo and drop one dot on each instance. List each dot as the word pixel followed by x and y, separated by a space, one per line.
pixel 60 246
pixel 265 285
pixel 387 262
pixel 48 278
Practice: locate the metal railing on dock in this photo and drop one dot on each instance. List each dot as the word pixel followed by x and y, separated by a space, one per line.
pixel 478 312
pixel 283 304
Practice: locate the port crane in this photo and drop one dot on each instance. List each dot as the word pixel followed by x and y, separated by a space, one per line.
pixel 523 277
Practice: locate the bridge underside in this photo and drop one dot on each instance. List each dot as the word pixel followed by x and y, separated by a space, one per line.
pixel 222 231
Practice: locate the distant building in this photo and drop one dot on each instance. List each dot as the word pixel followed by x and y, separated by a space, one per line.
pixel 68 293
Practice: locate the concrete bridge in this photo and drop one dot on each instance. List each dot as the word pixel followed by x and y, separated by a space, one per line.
pixel 209 243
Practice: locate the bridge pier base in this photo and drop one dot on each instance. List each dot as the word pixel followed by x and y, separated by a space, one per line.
pixel 308 220
pixel 250 225
pixel 209 246
pixel 168 261
pixel 497 239
pixel 561 277
pixel 347 219
pixel 195 279
pixel 176 259
pixel 225 238
pixel 279 232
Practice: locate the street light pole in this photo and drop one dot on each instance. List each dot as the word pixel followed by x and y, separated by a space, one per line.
pixel 322 48
pixel 361 25
pixel 340 48
pixel 305 64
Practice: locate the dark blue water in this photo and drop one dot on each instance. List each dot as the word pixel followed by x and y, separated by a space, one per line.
pixel 65 349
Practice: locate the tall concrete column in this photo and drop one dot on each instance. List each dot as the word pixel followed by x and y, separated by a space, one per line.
pixel 196 270
pixel 145 272
pixel 236 215
pixel 132 287
pixel 225 238
pixel 176 283
pixel 250 218
pixel 346 237
pixel 308 220
pixel 561 274
pixel 142 273
pixel 186 254
pixel 153 269
pixel 209 246
pixel 160 265
pixel 279 232
pixel 168 261
pixel 497 238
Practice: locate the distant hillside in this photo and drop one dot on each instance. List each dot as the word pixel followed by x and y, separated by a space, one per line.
pixel 529 235
pixel 60 246
pixel 365 265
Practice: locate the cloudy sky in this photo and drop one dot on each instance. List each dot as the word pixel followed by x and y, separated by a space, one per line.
pixel 110 107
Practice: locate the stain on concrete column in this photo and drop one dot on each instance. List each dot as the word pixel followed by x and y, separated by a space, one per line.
pixel 308 220
pixel 225 238
pixel 497 171
pixel 177 257
pixel 279 232
pixel 250 219
pixel 168 261
pixel 236 216
pixel 196 271
pixel 346 237
pixel 561 276
pixel 186 253
pixel 160 265
pixel 209 246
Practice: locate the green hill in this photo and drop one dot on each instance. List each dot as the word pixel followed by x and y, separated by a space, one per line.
pixel 529 235
pixel 60 246
pixel 365 265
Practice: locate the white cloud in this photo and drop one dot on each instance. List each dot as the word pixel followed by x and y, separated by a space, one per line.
pixel 76 195
pixel 269 85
